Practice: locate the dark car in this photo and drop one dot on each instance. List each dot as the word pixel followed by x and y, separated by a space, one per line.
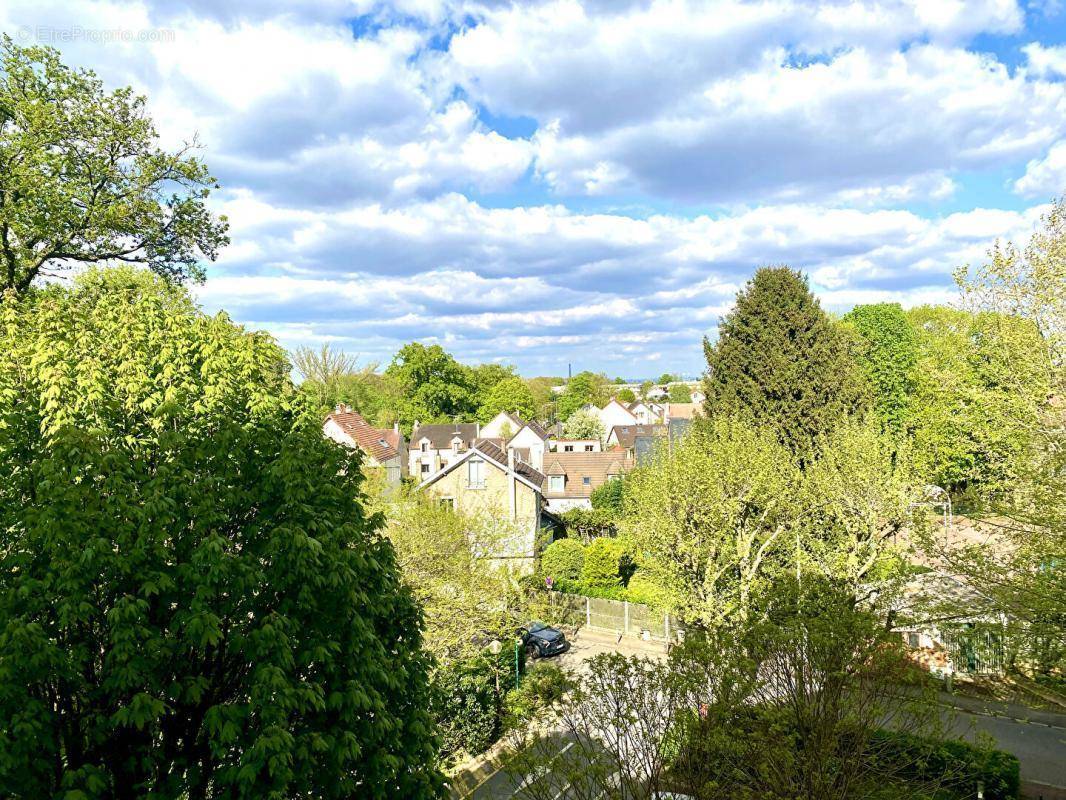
pixel 541 640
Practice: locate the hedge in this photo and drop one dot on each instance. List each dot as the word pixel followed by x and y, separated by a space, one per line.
pixel 965 765
pixel 608 564
pixel 562 560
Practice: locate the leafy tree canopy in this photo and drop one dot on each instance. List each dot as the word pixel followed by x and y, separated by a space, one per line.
pixel 888 354
pixel 435 387
pixel 680 393
pixel 195 602
pixel 627 396
pixel 582 389
pixel 83 179
pixel 511 394
pixel 780 360
pixel 584 425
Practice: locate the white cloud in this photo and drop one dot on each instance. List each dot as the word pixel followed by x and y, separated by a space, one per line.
pixel 1046 61
pixel 1045 176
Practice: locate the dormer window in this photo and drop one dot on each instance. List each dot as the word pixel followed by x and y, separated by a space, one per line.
pixel 425 446
pixel 555 483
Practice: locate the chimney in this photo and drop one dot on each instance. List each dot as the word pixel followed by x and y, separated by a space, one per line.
pixel 396 427
pixel 477 430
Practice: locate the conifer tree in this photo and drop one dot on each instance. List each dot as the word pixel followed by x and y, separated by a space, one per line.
pixel 781 362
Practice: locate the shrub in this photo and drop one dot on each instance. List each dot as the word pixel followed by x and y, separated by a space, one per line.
pixel 609 497
pixel 563 560
pixel 608 564
pixel 963 766
pixel 643 589
pixel 541 689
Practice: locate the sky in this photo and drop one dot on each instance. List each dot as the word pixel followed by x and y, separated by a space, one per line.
pixel 561 183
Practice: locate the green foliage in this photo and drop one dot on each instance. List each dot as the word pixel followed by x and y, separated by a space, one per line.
pixel 780 361
pixel 888 355
pixel 194 599
pixel 680 393
pixel 434 386
pixel 608 563
pixel 626 396
pixel 980 392
pixel 563 560
pixel 646 590
pixel 609 497
pixel 512 394
pixel 582 389
pixel 468 700
pixel 584 425
pixel 645 387
pixel 541 691
pixel 667 377
pixel 587 524
pixel 84 179
pixel 965 766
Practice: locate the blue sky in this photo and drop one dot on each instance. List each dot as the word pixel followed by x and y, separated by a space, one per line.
pixel 544 183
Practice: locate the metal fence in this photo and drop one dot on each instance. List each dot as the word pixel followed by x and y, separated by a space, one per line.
pixel 619 616
pixel 976 649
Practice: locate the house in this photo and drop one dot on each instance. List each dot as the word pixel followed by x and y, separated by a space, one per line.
pixel 682 411
pixel 698 396
pixel 484 479
pixel 384 449
pixel 624 437
pixel 502 426
pixel 576 446
pixel 646 413
pixel 614 413
pixel 571 478
pixel 433 447
pixel 529 444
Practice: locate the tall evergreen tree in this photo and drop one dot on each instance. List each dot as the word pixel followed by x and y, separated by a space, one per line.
pixel 780 361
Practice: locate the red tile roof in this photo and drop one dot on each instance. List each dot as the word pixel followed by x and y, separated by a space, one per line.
pixel 374 441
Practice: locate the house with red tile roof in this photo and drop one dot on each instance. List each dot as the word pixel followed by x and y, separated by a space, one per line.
pixel 383 448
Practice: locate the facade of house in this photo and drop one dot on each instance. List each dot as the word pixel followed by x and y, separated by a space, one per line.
pixel 613 413
pixel 571 478
pixel 682 411
pixel 576 446
pixel 385 449
pixel 484 479
pixel 624 437
pixel 434 447
pixel 529 444
pixel 646 412
pixel 502 426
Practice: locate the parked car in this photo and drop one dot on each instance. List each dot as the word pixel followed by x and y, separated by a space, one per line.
pixel 542 640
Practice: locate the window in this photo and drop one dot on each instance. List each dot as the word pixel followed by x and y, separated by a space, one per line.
pixel 448 503
pixel 475 474
pixel 912 639
pixel 588 448
pixel 568 448
pixel 586 481
pixel 555 483
pixel 425 446
pixel 425 469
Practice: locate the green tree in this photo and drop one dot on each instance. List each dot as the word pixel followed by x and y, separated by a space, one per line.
pixel 781 361
pixel 563 560
pixel 543 396
pixel 680 393
pixel 978 396
pixel 645 387
pixel 888 355
pixel 584 425
pixel 610 496
pixel 512 395
pixel 83 179
pixel 627 396
pixel 322 371
pixel 434 386
pixel 715 517
pixel 194 601
pixel 582 389
pixel 608 564
pixel 667 377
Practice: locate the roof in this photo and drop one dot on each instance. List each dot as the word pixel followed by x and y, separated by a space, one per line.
pixel 626 435
pixel 537 429
pixel 440 436
pixel 530 476
pixel 597 467
pixel 683 410
pixel 374 441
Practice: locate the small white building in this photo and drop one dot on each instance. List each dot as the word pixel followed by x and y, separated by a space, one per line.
pixel 434 447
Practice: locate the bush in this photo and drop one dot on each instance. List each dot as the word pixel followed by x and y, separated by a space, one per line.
pixel 609 496
pixel 563 560
pixel 643 589
pixel 963 765
pixel 608 564
pixel 541 689
pixel 468 700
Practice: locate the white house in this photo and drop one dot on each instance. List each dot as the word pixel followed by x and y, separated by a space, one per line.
pixel 502 426
pixel 433 447
pixel 646 413
pixel 529 443
pixel 614 413
pixel 576 446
